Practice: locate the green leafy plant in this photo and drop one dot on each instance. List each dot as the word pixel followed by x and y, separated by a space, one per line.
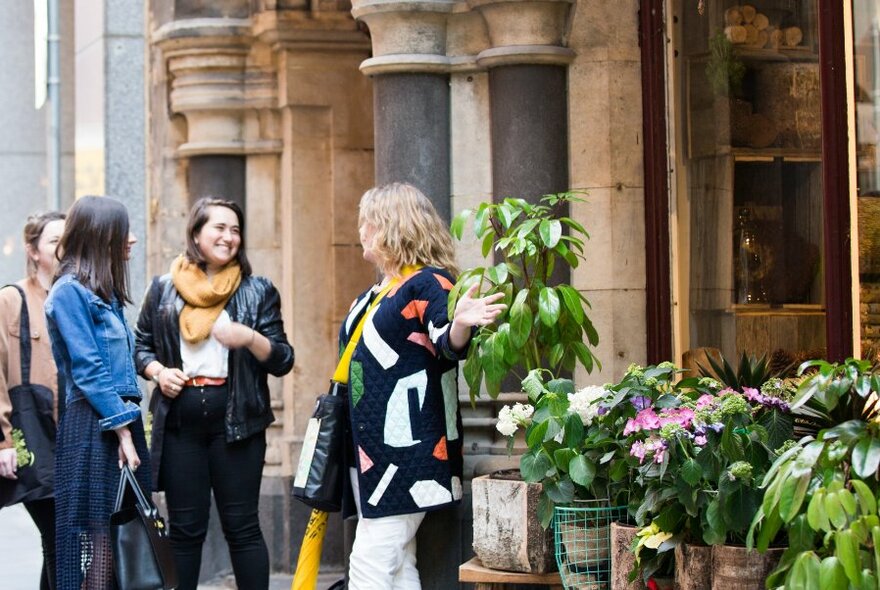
pixel 545 324
pixel 701 452
pixel 574 449
pixel 724 70
pixel 823 490
pixel 23 455
pixel 750 372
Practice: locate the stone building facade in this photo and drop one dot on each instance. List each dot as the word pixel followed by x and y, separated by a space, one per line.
pixel 293 108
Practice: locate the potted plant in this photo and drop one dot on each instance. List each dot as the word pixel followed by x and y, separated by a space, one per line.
pixel 546 325
pixel 823 490
pixel 575 453
pixel 702 451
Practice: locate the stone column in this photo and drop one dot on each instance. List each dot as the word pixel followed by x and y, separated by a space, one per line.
pixel 410 74
pixel 23 146
pixel 528 81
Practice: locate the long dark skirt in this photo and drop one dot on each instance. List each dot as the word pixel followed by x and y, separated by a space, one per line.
pixel 86 480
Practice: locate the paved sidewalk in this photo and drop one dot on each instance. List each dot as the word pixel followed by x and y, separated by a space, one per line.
pixel 276 582
pixel 21 556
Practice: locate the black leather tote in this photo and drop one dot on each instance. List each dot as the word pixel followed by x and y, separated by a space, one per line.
pixel 142 558
pixel 32 414
pixel 318 480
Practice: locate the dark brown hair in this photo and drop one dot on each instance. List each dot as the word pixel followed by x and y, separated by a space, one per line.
pixel 92 248
pixel 33 231
pixel 198 217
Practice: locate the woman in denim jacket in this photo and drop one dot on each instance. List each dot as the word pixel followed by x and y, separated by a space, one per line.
pixel 101 426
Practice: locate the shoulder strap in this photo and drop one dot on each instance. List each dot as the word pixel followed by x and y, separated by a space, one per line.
pixel 24 328
pixel 340 375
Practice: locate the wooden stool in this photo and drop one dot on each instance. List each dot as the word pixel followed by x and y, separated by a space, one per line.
pixel 488 579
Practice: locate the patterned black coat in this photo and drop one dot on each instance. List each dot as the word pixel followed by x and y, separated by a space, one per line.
pixel 403 398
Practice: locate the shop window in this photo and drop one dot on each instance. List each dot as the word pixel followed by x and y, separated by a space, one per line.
pixel 866 45
pixel 748 177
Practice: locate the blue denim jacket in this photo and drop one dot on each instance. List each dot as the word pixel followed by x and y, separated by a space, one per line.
pixel 93 349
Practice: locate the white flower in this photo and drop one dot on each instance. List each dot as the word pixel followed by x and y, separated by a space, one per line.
pixel 506 427
pixel 509 419
pixel 584 402
pixel 522 412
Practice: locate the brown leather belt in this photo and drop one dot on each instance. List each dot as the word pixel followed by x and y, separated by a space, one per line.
pixel 203 381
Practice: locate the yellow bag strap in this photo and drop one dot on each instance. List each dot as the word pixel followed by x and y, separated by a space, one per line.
pixel 341 373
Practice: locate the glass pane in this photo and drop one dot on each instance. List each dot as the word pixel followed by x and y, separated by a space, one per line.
pixel 866 39
pixel 749 177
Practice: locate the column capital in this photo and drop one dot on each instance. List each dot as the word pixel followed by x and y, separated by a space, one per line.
pixel 212 84
pixel 525 22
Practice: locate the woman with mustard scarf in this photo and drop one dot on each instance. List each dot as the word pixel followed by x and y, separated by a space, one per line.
pixel 208 335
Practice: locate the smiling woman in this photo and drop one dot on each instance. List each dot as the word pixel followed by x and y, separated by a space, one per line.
pixel 208 334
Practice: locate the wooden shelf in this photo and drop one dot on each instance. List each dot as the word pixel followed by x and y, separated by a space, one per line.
pixel 745 154
pixel 800 53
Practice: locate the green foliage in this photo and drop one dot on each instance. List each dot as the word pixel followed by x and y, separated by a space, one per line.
pixel 751 371
pixel 724 70
pixel 545 325
pixel 823 490
pixel 24 456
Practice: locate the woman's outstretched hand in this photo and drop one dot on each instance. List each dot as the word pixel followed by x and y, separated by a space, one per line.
pixel 473 311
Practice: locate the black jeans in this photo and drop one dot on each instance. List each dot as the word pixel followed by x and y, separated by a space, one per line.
pixel 197 459
pixel 43 514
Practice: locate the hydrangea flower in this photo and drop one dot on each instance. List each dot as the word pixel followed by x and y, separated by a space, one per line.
pixel 510 418
pixel 584 402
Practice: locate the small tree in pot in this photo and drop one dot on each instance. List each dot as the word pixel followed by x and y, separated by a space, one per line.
pixel 545 325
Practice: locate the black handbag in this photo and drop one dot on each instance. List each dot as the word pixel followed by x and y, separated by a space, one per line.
pixel 319 475
pixel 32 414
pixel 142 558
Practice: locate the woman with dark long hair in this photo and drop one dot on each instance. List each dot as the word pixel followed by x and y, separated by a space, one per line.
pixel 101 426
pixel 41 234
pixel 209 334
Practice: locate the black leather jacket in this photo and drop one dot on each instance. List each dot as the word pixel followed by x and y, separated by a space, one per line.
pixel 256 304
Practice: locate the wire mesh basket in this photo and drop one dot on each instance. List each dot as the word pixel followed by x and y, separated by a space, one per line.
pixel 582 536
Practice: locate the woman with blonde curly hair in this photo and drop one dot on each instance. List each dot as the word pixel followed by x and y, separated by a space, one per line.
pixel 406 432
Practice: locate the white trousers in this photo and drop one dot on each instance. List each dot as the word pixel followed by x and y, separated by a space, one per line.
pixel 384 552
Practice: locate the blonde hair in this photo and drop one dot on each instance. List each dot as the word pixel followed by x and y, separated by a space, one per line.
pixel 408 229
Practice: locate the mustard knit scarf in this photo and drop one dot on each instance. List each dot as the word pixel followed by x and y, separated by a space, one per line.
pixel 203 298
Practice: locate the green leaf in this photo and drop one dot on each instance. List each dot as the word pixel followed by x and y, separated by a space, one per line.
pixel 780 427
pixel 816 514
pixel 545 511
pixel 846 549
pixel 456 228
pixel 533 467
pixel 875 537
pixel 832 575
pixel 561 492
pixel 548 306
pixel 486 245
pixel 867 501
pixel 866 457
pixel 804 573
pixel 520 320
pixel 574 431
pixel 550 231
pixel 715 533
pixel 835 511
pixel 691 472
pixel 582 470
pixel 793 492
pixel 498 273
pixel 848 501
pixel 584 355
pixel 572 303
pixel 769 529
pixel 537 434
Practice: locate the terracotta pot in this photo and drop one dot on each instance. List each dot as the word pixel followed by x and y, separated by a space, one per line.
pixel 693 567
pixel 507 534
pixel 735 568
pixel 622 559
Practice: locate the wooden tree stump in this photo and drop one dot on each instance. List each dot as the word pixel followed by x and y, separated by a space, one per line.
pixel 622 559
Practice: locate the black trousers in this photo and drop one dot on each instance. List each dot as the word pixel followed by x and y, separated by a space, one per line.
pixel 196 459
pixel 43 514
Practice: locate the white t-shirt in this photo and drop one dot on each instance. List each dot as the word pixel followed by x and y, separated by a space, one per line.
pixel 207 358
